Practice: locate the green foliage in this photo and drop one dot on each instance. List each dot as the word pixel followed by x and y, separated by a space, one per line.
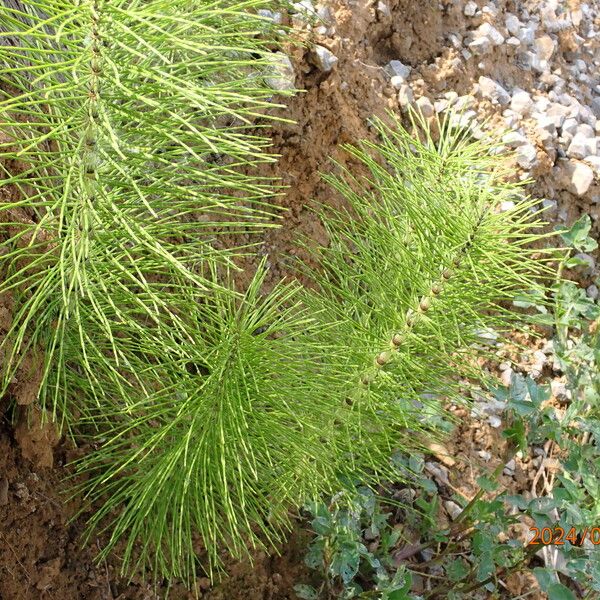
pixel 128 122
pixel 127 129
pixel 477 549
pixel 339 554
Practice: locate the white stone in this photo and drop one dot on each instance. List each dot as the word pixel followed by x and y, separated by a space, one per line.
pixel 493 90
pixel 514 139
pixel 487 30
pixel 594 162
pixel 395 68
pixel 282 77
pixel 405 96
pixel 521 102
pixel 325 59
pixel 513 41
pixel 440 105
pixel 593 292
pixel 494 421
pixel 581 178
pixel 452 509
pixel 384 9
pixel 582 146
pixel 559 390
pixel 527 34
pixel 480 46
pixel 544 47
pixel 527 156
pixel 470 9
pixel 546 123
pixel 513 24
pixel 569 127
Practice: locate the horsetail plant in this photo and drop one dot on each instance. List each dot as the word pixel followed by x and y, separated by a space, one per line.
pixel 127 128
pixel 123 127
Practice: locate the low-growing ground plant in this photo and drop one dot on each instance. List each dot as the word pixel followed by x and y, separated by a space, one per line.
pixel 215 411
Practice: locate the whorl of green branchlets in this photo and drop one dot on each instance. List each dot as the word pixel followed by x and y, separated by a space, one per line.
pixel 127 121
pixel 423 262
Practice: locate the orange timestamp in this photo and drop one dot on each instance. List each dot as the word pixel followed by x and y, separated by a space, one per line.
pixel 557 536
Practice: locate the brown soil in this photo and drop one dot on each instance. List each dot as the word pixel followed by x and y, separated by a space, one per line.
pixel 41 554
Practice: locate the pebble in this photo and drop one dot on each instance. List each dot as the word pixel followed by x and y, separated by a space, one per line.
pixel 581 146
pixel 439 472
pixel 592 292
pixel 487 30
pixel 527 156
pixel 560 391
pixel 452 509
pixel 282 77
pixel 494 421
pixel 493 90
pixel 509 467
pixel 521 102
pixel 395 68
pixel 405 96
pixel 325 59
pixel 512 23
pixel 544 47
pixel 425 107
pixel 581 177
pixel 470 9
pixel 484 455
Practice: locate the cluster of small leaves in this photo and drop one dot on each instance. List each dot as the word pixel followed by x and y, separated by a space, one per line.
pixel 339 554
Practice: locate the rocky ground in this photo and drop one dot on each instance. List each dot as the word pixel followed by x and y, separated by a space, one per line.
pixel 526 72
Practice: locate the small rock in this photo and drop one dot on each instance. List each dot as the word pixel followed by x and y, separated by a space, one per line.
pixel 521 102
pixel 512 23
pixel 582 146
pixel 560 391
pixel 550 208
pixel 526 34
pixel 513 41
pixel 439 472
pixel 494 91
pixel 527 156
pixel 283 77
pixel 514 139
pixel 470 9
pixel 484 455
pixel 384 9
pixel 509 467
pixel 581 177
pixel 452 509
pixel 487 30
pixel 506 377
pixel 425 107
pixel 325 60
pixel 592 292
pixel 494 421
pixel 594 162
pixel 480 46
pixel 405 96
pixel 397 69
pixel 544 47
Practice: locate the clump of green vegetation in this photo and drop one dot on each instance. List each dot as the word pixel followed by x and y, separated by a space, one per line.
pixel 358 552
pixel 215 411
